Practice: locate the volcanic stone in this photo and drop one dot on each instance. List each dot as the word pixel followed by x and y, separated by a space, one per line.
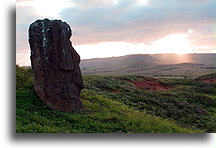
pixel 55 65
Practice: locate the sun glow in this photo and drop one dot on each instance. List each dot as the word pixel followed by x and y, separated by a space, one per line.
pixel 175 43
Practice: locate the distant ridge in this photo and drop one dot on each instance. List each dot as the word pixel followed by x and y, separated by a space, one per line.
pixel 151 64
pixel 169 58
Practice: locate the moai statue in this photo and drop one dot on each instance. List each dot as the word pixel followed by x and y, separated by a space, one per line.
pixel 55 65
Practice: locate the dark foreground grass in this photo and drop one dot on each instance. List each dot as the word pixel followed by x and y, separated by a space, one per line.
pixel 101 115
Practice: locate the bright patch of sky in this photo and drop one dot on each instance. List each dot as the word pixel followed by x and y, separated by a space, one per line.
pixel 142 2
pixel 47 8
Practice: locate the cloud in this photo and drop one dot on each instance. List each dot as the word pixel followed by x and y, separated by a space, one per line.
pixel 132 21
pixel 127 21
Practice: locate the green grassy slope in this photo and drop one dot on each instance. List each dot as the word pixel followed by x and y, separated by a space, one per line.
pixel 101 115
pixel 188 102
pixel 113 104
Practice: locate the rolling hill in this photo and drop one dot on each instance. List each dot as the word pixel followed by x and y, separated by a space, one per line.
pixel 160 65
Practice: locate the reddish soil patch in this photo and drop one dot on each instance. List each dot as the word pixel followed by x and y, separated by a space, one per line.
pixel 151 84
pixel 212 80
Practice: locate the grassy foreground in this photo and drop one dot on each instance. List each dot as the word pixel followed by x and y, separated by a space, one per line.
pixel 101 115
pixel 119 104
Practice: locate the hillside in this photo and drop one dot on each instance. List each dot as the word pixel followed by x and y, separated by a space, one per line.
pixel 159 65
pixel 122 104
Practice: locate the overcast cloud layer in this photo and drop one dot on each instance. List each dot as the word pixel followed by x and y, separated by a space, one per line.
pixel 132 21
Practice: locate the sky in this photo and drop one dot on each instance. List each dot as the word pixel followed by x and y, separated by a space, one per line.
pixel 107 28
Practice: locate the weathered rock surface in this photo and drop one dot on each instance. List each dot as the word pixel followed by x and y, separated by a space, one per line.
pixel 55 65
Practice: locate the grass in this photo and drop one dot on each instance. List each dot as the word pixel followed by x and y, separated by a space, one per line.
pixel 101 115
pixel 207 76
pixel 190 103
pixel 112 104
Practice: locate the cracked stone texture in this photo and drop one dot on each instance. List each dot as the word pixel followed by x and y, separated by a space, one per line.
pixel 55 65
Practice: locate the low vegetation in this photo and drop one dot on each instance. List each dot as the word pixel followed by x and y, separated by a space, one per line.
pixel 121 104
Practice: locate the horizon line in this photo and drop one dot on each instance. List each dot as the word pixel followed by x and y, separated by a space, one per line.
pixel 134 54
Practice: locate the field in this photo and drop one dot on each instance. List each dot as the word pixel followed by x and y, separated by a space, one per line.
pixel 152 65
pixel 123 104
